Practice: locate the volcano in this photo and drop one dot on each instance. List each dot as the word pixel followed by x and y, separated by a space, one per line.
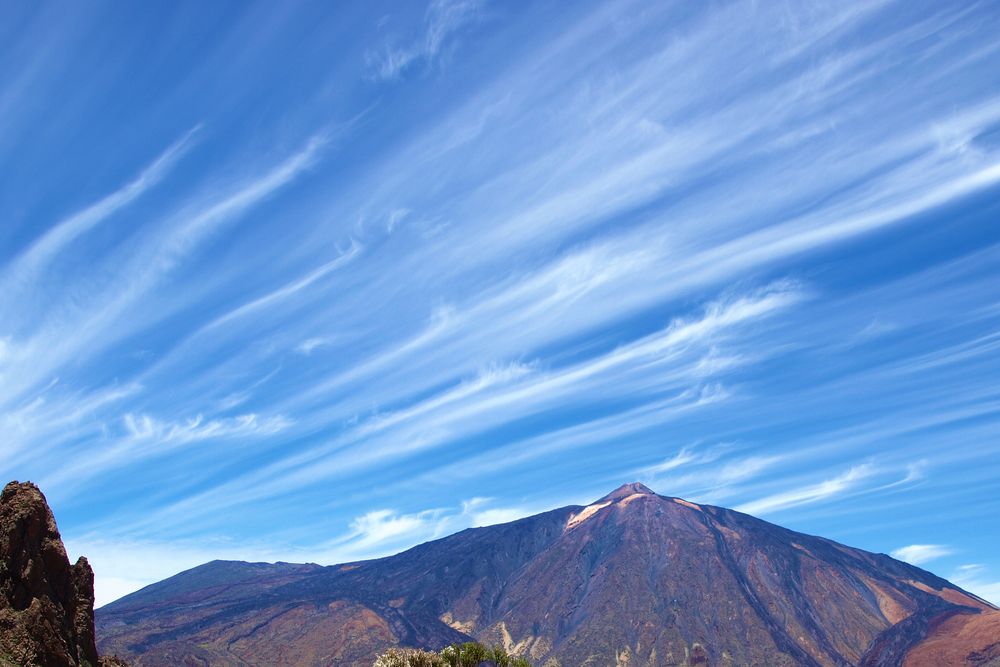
pixel 634 579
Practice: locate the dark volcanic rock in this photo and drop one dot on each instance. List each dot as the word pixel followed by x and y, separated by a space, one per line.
pixel 635 579
pixel 46 604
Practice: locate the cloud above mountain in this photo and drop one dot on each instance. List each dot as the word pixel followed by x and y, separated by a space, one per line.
pixel 269 270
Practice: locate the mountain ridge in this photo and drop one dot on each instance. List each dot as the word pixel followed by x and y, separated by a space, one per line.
pixel 634 578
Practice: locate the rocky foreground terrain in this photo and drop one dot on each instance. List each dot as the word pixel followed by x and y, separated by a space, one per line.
pixel 46 604
pixel 634 579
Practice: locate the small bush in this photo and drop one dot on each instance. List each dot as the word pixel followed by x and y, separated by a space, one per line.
pixel 408 657
pixel 469 654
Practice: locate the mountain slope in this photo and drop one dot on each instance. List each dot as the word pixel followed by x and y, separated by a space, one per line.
pixel 633 579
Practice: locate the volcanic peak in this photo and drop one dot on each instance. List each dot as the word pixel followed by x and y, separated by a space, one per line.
pixel 633 574
pixel 626 491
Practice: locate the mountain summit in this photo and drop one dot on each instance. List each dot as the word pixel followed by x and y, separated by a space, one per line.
pixel 634 579
pixel 626 491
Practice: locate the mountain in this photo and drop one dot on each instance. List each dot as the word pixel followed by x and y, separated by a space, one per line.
pixel 633 579
pixel 46 604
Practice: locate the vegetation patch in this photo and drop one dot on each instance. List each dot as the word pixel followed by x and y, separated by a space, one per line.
pixel 469 654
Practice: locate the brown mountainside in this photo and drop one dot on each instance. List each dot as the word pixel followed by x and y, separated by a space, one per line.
pixel 634 579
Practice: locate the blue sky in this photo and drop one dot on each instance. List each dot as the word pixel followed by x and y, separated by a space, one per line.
pixel 317 282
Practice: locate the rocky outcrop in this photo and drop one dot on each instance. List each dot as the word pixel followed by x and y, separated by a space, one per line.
pixel 46 604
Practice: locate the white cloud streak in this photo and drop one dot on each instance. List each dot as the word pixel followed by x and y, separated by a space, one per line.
pixel 442 20
pixel 94 321
pixel 918 554
pixel 24 269
pixel 656 362
pixel 826 490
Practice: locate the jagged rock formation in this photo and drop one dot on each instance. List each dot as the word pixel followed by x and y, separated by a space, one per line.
pixel 46 604
pixel 634 579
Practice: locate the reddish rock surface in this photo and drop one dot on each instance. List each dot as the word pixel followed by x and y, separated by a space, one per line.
pixel 963 640
pixel 46 604
pixel 634 579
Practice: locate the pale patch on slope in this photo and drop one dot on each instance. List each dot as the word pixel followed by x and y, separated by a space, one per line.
pixel 585 513
pixel 686 503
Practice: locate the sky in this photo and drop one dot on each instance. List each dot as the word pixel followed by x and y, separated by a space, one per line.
pixel 313 281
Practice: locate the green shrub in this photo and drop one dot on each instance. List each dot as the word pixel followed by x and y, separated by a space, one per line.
pixel 499 656
pixel 469 654
pixel 473 654
pixel 409 657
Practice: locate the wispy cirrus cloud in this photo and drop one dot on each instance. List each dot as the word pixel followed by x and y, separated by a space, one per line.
pixel 26 266
pixel 144 437
pixel 811 493
pixel 378 527
pixel 576 256
pixel 442 20
pixel 713 474
pixel 95 316
pixel 918 554
pixel 668 359
pixel 147 428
